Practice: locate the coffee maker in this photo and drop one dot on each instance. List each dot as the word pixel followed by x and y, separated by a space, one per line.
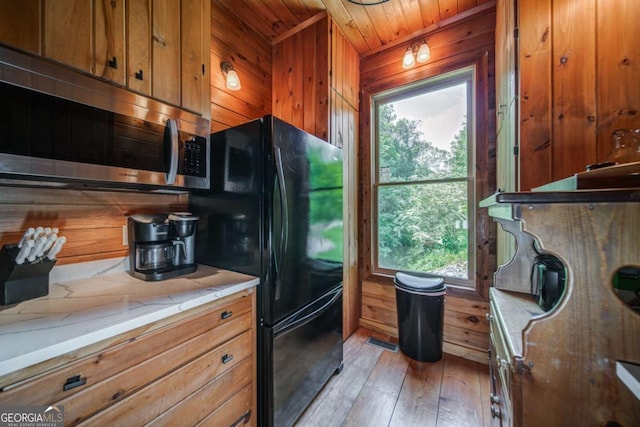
pixel 161 245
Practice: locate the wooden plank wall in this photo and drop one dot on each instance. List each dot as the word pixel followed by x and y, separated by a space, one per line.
pixel 465 327
pixel 579 82
pixel 91 221
pixel 463 43
pixel 250 54
pixel 301 70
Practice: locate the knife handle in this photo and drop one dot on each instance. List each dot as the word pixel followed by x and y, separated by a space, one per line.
pixel 38 233
pixel 24 251
pixel 37 248
pixel 27 234
pixel 57 246
pixel 52 238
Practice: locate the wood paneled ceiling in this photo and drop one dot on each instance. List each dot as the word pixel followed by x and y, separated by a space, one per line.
pixel 368 28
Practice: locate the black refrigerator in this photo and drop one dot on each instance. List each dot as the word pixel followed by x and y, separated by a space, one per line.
pixel 275 211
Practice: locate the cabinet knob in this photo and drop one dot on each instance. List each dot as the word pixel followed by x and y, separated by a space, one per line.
pixel 495 412
pixel 494 399
pixel 489 317
pixel 504 363
pixel 138 75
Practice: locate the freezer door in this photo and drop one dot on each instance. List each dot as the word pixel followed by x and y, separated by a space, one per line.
pixel 307 220
pixel 230 229
pixel 307 351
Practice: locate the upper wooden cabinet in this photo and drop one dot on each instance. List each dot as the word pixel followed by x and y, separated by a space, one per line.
pixel 20 24
pixel 577 71
pixel 195 51
pixel 139 46
pixel 109 34
pixel 157 48
pixel 66 33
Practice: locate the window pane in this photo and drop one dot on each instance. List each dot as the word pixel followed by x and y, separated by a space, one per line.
pixel 424 137
pixel 424 228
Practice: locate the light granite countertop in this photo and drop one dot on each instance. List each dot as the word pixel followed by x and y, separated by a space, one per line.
pixel 106 302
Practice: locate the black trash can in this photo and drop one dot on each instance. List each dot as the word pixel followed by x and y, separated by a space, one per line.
pixel 420 307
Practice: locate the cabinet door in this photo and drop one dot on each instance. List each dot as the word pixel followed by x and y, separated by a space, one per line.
pixel 20 24
pixel 139 46
pixel 109 40
pixel 67 32
pixel 192 60
pixel 166 51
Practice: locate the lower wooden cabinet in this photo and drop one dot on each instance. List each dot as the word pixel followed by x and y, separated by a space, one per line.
pixel 182 372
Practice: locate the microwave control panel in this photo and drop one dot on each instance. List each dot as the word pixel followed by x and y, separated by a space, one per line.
pixel 193 155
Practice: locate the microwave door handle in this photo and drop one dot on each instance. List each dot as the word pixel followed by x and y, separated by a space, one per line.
pixel 171 152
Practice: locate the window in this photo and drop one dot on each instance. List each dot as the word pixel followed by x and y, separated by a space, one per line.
pixel 423 179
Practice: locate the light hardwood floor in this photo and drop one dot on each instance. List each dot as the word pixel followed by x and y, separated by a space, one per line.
pixel 378 387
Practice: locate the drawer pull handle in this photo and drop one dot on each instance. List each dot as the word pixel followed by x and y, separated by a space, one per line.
pixel 494 399
pixel 227 358
pixel 244 418
pixel 489 317
pixel 113 63
pixel 138 75
pixel 73 382
pixel 226 314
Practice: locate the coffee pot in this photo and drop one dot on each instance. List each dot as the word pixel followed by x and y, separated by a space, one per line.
pixel 161 245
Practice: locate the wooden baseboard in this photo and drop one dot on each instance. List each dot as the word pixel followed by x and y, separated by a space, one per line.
pixel 466 352
pixel 379 327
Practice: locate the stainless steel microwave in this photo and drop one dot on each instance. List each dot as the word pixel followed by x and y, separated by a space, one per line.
pixel 61 126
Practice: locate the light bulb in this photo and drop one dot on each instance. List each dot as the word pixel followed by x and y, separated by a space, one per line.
pixel 424 53
pixel 408 60
pixel 233 81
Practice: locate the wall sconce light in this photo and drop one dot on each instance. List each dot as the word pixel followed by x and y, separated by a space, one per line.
pixel 416 52
pixel 233 81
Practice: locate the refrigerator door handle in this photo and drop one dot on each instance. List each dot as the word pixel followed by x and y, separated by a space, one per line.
pixel 284 222
pixel 309 314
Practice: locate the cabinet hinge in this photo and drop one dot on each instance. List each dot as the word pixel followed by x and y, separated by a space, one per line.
pixel 515 33
pixel 516 150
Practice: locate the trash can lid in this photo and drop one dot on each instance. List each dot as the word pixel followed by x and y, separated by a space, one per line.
pixel 419 284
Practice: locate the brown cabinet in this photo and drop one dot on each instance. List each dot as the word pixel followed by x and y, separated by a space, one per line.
pixel 158 48
pixel 180 372
pixel 560 367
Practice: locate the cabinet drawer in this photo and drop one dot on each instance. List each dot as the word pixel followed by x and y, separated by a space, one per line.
pixel 200 404
pixel 154 399
pixel 82 405
pixel 235 412
pixel 70 379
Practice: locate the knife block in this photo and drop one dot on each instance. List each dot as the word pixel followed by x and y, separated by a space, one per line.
pixel 22 282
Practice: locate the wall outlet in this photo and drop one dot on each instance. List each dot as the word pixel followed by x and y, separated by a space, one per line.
pixel 125 237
